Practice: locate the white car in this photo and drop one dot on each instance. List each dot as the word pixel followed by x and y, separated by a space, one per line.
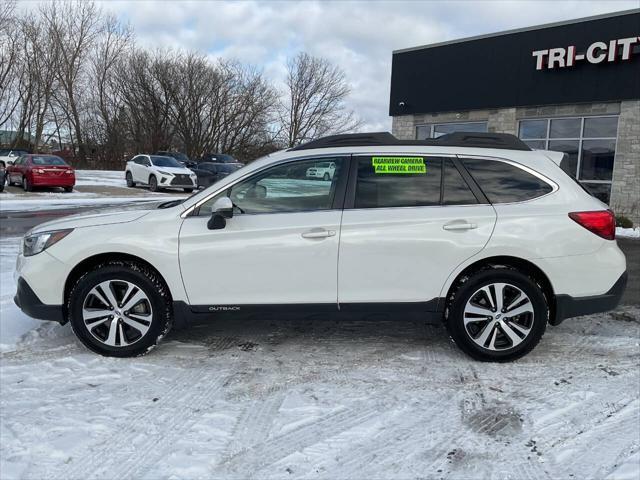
pixel 322 170
pixel 159 172
pixel 475 230
pixel 8 156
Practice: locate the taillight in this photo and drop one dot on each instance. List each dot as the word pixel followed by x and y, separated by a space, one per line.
pixel 601 222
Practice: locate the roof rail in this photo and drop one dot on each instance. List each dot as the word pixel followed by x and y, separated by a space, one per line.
pixel 458 139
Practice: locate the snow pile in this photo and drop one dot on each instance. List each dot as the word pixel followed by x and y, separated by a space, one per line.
pixel 112 178
pixel 628 232
pixel 13 323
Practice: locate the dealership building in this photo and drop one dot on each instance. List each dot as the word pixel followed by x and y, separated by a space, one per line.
pixel 572 86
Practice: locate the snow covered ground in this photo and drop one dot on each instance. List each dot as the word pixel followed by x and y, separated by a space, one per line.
pixel 315 398
pixel 113 178
pixel 109 188
pixel 628 232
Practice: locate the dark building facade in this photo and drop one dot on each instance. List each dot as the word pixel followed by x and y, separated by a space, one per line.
pixel 572 86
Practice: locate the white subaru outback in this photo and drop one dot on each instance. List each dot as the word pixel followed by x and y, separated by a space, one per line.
pixel 477 230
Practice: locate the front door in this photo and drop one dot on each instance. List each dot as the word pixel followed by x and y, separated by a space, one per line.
pixel 280 247
pixel 406 228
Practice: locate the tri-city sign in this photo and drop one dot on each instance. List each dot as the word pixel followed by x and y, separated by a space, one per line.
pixel 597 52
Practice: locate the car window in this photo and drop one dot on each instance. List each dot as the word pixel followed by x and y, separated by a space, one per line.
pixel 503 182
pixel 398 181
pixel 282 188
pixel 47 160
pixel 455 189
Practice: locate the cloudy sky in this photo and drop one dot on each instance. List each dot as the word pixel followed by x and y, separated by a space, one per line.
pixel 358 36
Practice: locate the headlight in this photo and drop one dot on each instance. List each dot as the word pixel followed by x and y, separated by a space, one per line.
pixel 165 173
pixel 38 242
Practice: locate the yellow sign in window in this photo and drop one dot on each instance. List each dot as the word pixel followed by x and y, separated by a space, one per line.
pixel 401 165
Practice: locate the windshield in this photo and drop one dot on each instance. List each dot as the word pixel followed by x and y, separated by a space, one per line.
pixel 179 156
pixel 47 160
pixel 165 162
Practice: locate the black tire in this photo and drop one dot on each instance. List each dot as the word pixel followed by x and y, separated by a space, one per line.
pixel 129 178
pixel 144 278
pixel 68 189
pixel 326 177
pixel 188 190
pixel 3 180
pixel 153 183
pixel 26 184
pixel 464 290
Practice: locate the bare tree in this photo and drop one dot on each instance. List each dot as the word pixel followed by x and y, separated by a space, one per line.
pixel 74 28
pixel 9 60
pixel 314 103
pixel 112 47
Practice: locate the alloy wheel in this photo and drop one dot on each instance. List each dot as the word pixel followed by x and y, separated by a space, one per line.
pixel 498 316
pixel 117 313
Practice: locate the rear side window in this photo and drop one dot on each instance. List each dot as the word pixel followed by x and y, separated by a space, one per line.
pixel 455 189
pixel 398 181
pixel 502 182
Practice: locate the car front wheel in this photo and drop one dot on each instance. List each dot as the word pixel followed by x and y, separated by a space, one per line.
pixel 120 309
pixel 153 184
pixel 130 182
pixel 497 314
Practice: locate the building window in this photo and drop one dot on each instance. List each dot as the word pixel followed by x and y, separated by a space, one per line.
pixel 438 129
pixel 589 142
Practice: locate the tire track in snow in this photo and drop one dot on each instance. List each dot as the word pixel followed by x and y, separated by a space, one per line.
pixel 250 460
pixel 157 447
pixel 119 451
pixel 606 441
pixel 255 423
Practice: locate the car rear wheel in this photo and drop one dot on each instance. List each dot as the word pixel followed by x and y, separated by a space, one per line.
pixel 120 309
pixel 68 189
pixel 153 183
pixel 129 178
pixel 26 184
pixel 497 314
pixel 326 177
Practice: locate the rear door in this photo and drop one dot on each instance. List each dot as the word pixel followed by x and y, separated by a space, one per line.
pixel 409 220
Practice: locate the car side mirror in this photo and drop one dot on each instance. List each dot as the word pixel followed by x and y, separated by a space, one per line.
pixel 220 211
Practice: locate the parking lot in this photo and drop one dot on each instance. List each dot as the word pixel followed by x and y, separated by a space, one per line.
pixel 313 398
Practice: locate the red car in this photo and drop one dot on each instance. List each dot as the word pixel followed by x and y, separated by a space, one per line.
pixel 36 170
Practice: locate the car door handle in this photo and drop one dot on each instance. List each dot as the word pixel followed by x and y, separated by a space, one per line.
pixel 460 226
pixel 319 233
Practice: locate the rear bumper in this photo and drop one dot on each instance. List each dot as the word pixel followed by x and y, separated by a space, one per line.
pixel 568 306
pixel 29 303
pixel 57 181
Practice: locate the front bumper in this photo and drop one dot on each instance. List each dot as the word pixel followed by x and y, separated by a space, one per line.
pixel 29 303
pixel 568 306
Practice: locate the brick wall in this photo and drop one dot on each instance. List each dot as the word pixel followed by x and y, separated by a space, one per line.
pixel 625 191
